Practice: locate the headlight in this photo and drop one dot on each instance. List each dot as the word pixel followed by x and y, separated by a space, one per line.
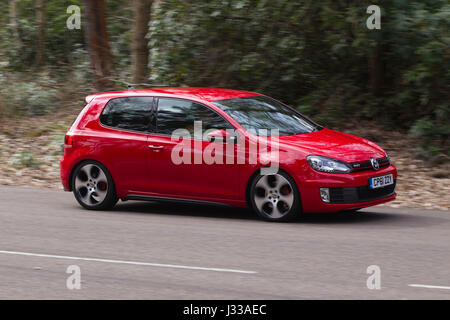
pixel 325 164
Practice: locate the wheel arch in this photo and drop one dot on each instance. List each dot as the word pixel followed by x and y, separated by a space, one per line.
pixel 76 164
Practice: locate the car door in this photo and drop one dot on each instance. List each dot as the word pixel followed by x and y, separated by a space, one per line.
pixel 177 166
pixel 126 122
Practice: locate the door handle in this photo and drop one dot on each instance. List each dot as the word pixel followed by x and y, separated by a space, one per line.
pixel 155 147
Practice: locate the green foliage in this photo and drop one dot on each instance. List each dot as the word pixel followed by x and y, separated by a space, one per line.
pixel 240 44
pixel 119 19
pixel 62 45
pixel 60 42
pixel 24 160
pixel 27 96
pixel 434 131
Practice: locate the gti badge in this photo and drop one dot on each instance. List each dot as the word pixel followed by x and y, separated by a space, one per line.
pixel 375 164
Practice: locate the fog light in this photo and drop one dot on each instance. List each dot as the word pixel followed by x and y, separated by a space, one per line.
pixel 325 194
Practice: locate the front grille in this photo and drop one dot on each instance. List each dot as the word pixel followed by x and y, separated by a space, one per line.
pixel 360 194
pixel 366 165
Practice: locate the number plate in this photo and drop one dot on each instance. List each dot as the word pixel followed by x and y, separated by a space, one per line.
pixel 381 181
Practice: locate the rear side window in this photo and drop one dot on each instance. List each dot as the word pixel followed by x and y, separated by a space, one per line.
pixel 130 113
pixel 180 114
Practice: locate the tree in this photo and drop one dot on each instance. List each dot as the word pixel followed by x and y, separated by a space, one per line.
pixel 13 19
pixel 375 70
pixel 13 22
pixel 40 21
pixel 97 43
pixel 139 46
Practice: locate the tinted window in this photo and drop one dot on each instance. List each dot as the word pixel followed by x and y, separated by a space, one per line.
pixel 132 113
pixel 180 114
pixel 261 114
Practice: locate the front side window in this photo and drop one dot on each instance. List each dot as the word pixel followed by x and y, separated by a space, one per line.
pixel 261 114
pixel 130 113
pixel 176 114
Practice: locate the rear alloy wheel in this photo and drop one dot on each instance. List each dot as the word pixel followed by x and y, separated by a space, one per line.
pixel 93 186
pixel 275 197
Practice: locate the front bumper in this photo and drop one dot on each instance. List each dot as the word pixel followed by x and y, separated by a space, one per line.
pixel 347 191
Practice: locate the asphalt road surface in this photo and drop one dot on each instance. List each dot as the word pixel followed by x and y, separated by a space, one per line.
pixel 149 250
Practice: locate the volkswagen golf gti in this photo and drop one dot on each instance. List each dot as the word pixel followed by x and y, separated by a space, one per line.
pixel 219 146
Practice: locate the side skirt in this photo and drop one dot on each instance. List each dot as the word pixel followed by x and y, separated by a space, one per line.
pixel 178 200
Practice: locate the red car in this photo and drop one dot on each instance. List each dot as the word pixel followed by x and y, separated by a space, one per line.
pixel 218 146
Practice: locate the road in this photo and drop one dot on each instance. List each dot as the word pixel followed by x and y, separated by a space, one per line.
pixel 148 250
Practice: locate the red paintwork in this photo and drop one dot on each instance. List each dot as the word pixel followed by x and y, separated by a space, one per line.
pixel 139 170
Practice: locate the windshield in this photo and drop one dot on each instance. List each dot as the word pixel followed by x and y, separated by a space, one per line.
pixel 261 114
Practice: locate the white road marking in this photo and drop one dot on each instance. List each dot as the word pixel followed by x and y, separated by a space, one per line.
pixel 428 286
pixel 136 263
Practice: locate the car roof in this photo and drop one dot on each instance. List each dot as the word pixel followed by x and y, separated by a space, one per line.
pixel 206 94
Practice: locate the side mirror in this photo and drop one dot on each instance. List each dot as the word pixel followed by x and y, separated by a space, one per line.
pixel 221 135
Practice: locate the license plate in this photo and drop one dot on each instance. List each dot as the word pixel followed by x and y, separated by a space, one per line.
pixel 381 181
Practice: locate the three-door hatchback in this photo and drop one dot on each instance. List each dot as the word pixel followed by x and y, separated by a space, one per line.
pixel 231 147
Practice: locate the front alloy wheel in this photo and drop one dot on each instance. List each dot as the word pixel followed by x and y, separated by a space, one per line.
pixel 275 197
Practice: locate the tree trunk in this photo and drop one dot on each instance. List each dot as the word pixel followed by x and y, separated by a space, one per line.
pixel 40 21
pixel 375 70
pixel 98 44
pixel 139 44
pixel 14 23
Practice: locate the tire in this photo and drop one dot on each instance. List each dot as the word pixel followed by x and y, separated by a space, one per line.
pixel 93 186
pixel 275 197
